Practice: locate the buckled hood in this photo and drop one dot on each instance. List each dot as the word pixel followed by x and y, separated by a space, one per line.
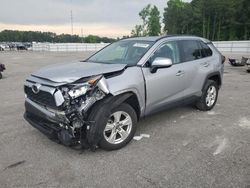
pixel 74 71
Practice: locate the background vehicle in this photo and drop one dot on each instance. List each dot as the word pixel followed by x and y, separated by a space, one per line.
pixel 1 48
pixel 99 101
pixel 21 47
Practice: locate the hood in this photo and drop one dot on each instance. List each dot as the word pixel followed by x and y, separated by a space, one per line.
pixel 74 71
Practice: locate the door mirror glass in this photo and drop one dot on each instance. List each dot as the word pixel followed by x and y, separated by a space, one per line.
pixel 160 62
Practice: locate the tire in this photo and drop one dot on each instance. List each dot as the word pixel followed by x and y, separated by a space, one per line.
pixel 115 126
pixel 1 76
pixel 209 96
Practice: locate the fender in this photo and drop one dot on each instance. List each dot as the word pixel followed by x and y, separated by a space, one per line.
pixel 134 91
pixel 217 73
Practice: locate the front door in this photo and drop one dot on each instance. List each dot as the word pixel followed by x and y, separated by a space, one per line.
pixel 167 84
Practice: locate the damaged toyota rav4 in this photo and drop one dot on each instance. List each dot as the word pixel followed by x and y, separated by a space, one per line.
pixel 97 102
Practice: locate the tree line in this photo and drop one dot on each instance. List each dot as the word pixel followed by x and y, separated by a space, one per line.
pixel 213 19
pixel 37 36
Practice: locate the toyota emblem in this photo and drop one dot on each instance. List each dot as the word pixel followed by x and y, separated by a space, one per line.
pixel 36 88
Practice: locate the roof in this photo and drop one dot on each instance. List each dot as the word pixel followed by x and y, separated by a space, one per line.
pixel 153 38
pixel 156 38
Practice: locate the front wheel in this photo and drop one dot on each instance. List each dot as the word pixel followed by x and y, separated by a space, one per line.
pixel 209 96
pixel 120 128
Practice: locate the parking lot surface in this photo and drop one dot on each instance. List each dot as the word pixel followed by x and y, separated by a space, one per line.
pixel 186 148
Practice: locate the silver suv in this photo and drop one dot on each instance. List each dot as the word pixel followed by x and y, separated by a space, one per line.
pixel 97 102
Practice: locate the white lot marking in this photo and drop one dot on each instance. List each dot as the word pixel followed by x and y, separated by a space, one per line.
pixel 185 143
pixel 244 123
pixel 211 113
pixel 137 138
pixel 145 135
pixel 221 146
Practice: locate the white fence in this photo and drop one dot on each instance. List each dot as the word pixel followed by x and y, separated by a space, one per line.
pixel 68 47
pixel 223 46
pixel 233 46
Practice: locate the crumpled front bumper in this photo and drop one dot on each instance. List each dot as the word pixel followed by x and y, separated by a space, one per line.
pixel 47 113
pixel 45 120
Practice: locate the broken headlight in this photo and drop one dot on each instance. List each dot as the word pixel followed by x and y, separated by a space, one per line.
pixel 78 91
pixel 82 88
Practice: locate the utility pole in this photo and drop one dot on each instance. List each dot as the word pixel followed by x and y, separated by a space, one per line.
pixel 71 19
pixel 82 34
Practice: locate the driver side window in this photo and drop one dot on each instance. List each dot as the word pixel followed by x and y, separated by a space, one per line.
pixel 167 50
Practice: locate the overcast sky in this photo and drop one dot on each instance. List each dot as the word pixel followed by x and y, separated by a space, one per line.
pixel 113 18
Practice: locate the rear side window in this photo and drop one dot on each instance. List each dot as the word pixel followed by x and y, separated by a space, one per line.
pixel 190 50
pixel 205 50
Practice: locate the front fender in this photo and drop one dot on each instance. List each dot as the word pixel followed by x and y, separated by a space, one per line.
pixel 130 81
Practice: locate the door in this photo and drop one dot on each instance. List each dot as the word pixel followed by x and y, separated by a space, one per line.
pixel 196 63
pixel 167 84
pixel 190 55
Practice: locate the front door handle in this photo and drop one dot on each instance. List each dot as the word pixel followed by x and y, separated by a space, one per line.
pixel 206 64
pixel 180 73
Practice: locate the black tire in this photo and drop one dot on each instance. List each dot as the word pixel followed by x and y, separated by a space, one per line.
pixel 201 103
pixel 124 107
pixel 1 76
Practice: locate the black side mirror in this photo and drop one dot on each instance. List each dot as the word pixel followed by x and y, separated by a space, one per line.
pixel 160 62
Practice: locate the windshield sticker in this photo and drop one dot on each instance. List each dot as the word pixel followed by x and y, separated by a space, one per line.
pixel 141 45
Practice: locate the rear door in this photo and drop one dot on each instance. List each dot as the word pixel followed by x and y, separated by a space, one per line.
pixel 191 60
pixel 197 57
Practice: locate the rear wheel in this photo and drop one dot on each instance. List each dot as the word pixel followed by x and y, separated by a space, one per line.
pixel 1 76
pixel 209 96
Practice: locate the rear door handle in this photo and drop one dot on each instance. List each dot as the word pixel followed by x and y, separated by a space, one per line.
pixel 180 73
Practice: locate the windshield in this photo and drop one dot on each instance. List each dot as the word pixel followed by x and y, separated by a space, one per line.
pixel 122 52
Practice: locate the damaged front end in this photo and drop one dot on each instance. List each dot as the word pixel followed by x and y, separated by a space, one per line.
pixel 62 112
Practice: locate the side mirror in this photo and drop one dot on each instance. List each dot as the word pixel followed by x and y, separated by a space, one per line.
pixel 160 62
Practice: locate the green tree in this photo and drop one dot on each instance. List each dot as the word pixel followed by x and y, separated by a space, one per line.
pixel 151 25
pixel 154 26
pixel 37 36
pixel 137 31
pixel 213 19
pixel 173 15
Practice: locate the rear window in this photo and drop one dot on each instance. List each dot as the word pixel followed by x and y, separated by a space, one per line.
pixel 190 50
pixel 205 50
